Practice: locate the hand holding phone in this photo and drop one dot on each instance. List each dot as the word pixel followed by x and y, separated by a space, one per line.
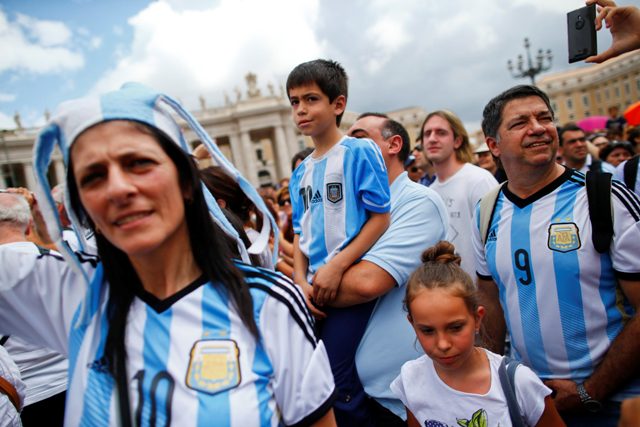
pixel 581 30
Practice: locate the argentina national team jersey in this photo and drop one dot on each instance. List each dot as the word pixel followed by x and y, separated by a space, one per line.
pixel 190 359
pixel 331 195
pixel 560 297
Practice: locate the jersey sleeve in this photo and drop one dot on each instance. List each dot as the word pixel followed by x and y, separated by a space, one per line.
pixel 530 393
pixel 9 416
pixel 38 297
pixel 424 212
pixel 297 203
pixel 369 175
pixel 397 387
pixel 303 383
pixel 626 232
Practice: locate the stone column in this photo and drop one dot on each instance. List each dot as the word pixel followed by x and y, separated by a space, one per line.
pixel 28 176
pixel 249 158
pixel 292 140
pixel 58 167
pixel 237 153
pixel 3 182
pixel 284 155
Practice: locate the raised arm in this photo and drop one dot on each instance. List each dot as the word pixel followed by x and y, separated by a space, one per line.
pixel 39 295
pixel 624 24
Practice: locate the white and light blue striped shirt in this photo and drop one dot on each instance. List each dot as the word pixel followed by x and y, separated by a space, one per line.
pixel 560 297
pixel 190 359
pixel 331 195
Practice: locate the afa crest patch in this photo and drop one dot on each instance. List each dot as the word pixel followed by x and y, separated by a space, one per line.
pixel 214 366
pixel 334 192
pixel 564 237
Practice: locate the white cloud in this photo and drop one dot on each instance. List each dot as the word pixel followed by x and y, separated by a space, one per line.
pixel 7 97
pixel 386 36
pixel 95 42
pixel 38 48
pixel 553 6
pixel 45 33
pixel 6 122
pixel 191 52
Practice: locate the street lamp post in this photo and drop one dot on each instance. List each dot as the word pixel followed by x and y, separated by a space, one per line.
pixel 543 63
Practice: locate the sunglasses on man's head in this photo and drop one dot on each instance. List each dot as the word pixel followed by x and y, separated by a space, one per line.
pixel 418 147
pixel 284 202
pixel 414 169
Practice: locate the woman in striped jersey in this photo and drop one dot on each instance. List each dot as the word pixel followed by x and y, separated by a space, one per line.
pixel 164 328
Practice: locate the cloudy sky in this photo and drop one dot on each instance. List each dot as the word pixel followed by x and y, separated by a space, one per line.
pixel 398 53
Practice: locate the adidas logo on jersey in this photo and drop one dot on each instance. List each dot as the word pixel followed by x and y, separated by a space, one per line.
pixel 317 198
pixel 492 236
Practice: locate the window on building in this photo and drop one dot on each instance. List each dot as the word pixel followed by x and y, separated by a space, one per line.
pixel 569 103
pixel 587 113
pixel 606 94
pixel 554 106
pixel 627 88
pixel 585 100
pixel 617 91
pixel 598 98
pixel 572 117
pixel 638 84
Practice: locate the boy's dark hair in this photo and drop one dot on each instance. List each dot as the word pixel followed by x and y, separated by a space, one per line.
pixel 492 114
pixel 567 128
pixel 328 75
pixel 390 128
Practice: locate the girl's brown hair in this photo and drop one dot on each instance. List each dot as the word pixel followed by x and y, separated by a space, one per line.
pixel 441 269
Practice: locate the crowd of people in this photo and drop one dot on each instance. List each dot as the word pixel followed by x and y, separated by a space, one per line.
pixel 379 285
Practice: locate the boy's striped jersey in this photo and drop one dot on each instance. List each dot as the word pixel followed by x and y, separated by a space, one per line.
pixel 560 297
pixel 190 359
pixel 331 195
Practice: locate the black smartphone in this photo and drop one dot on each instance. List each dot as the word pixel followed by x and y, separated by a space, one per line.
pixel 581 29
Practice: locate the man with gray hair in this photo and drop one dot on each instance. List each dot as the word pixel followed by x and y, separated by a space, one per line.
pixel 15 217
pixel 43 371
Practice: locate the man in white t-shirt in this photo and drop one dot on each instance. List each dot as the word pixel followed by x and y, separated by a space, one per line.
pixel 43 371
pixel 460 183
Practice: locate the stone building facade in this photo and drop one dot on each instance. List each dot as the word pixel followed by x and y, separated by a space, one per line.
pixel 254 130
pixel 590 91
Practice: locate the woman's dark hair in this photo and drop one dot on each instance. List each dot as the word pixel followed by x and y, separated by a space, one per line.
pixel 208 245
pixel 612 145
pixel 222 186
pixel 239 227
pixel 300 155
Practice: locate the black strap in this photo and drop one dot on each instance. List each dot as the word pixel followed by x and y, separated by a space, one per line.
pixel 599 198
pixel 631 172
pixel 123 391
pixel 596 166
pixel 507 374
pixel 4 339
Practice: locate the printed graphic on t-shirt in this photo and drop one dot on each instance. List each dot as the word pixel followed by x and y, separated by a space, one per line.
pixel 478 419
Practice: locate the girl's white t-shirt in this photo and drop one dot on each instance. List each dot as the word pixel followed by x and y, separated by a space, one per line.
pixel 435 404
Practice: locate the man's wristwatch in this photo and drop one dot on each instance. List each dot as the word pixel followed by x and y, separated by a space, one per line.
pixel 591 404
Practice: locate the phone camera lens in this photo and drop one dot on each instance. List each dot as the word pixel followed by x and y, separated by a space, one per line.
pixel 579 22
